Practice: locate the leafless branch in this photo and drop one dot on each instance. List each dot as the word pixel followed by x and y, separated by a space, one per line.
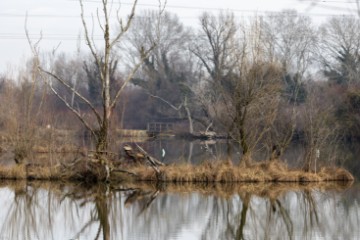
pixel 73 90
pixel 87 36
pixel 35 52
pixel 72 109
pixel 126 27
pixel 167 102
pixel 99 22
pixel 130 76
pixel 162 7
pixel 33 47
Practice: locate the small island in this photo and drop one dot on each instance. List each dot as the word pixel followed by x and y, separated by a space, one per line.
pixel 138 166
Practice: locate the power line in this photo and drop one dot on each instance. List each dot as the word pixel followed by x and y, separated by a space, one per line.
pixel 38 15
pixel 55 37
pixel 201 7
pixel 313 2
pixel 11 15
pixel 328 7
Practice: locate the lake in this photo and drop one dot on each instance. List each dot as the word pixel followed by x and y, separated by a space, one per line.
pixel 34 210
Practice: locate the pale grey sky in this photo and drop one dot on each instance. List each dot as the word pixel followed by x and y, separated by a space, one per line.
pixel 59 20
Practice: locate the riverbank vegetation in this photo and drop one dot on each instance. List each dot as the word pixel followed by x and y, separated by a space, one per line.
pixel 274 171
pixel 262 82
pixel 209 172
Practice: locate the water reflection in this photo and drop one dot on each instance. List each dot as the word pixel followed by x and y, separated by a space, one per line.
pixel 247 211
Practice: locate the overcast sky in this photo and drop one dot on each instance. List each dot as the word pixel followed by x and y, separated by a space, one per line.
pixel 59 20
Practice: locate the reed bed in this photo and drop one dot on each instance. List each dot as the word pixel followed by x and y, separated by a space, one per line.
pixel 220 171
pixel 207 172
pixel 23 172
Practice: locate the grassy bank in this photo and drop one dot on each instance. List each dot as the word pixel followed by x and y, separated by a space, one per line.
pixel 218 171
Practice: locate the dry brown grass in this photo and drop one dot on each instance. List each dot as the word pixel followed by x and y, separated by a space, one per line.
pixel 220 171
pixel 23 171
pixel 207 172
pixel 64 148
pixel 57 172
pixel 132 133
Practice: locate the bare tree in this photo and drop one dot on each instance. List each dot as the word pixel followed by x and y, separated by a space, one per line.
pixel 290 39
pixel 216 46
pixel 166 74
pixel 254 104
pixel 243 86
pixel 70 68
pixel 340 49
pixel 102 58
pixel 321 129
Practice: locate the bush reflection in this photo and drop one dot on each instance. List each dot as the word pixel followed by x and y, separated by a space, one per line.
pixel 240 211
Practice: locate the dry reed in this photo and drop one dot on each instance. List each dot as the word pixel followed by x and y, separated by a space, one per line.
pixel 219 171
pixel 207 172
pixel 132 133
pixel 23 171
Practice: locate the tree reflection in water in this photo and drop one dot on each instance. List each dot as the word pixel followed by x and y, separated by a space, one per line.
pixel 239 211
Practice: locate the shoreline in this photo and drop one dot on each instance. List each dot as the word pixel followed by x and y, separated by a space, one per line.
pixel 208 172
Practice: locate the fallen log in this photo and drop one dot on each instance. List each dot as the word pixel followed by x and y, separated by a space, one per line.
pixel 140 156
pixel 134 156
pixel 154 163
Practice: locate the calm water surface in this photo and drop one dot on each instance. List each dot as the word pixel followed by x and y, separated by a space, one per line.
pixel 238 211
